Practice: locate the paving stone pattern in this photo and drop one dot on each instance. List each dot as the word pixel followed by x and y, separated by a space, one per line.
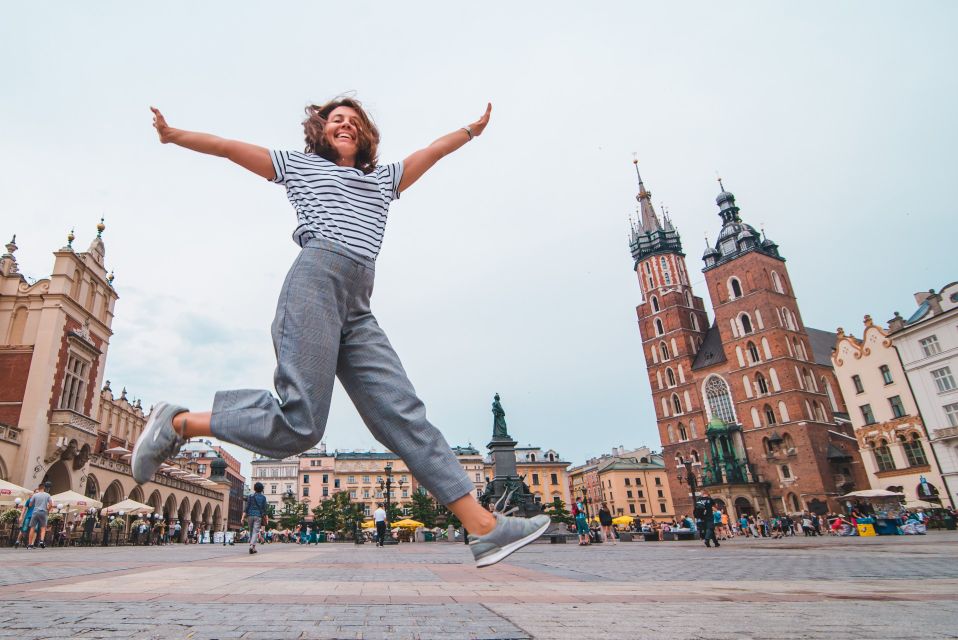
pixel 794 588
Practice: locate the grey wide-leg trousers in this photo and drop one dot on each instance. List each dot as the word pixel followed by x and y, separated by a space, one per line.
pixel 324 328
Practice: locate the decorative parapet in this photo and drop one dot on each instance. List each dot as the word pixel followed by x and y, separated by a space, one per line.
pixel 10 434
pixel 109 464
pixel 67 418
pixel 72 437
pixel 947 432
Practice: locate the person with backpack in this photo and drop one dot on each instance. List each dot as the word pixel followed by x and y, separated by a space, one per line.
pixel 256 506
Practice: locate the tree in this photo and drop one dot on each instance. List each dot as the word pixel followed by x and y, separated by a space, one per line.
pixel 394 513
pixel 338 513
pixel 557 512
pixel 293 513
pixel 423 508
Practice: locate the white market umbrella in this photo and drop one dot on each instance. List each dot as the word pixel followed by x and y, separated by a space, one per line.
pixel 9 492
pixel 72 501
pixel 128 507
pixel 116 451
pixel 872 493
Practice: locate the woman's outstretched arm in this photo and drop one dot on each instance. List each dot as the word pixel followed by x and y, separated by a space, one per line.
pixel 421 161
pixel 248 156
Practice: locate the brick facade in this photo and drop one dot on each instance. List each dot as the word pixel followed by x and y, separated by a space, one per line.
pixel 752 400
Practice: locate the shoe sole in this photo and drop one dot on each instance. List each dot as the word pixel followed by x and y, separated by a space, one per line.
pixel 151 424
pixel 503 552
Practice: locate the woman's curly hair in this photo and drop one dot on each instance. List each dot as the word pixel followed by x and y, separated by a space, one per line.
pixel 367 143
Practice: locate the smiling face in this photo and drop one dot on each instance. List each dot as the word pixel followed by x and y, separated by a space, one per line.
pixel 342 133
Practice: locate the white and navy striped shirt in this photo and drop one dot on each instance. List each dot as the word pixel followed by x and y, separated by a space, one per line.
pixel 341 204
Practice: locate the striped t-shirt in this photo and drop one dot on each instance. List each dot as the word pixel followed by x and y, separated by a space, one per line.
pixel 341 204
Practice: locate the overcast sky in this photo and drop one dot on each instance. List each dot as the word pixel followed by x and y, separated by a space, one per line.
pixel 506 269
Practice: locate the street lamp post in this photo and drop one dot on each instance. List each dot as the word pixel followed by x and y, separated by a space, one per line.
pixel 386 487
pixel 689 478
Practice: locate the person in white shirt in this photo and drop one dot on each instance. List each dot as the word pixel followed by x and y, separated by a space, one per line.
pixel 379 515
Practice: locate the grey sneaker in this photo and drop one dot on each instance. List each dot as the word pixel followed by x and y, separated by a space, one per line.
pixel 509 535
pixel 158 442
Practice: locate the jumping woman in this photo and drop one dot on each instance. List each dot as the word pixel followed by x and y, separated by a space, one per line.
pixel 324 327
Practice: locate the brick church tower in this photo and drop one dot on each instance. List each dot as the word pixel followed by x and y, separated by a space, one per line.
pixel 751 401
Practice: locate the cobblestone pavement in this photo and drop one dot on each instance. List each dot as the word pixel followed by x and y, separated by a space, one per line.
pixel 897 587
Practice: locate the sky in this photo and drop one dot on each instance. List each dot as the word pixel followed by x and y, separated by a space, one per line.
pixel 506 268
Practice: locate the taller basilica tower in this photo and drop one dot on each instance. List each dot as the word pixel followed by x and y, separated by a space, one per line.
pixel 751 401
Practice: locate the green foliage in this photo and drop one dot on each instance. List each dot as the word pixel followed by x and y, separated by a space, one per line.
pixel 394 512
pixel 292 514
pixel 55 519
pixel 270 511
pixel 557 512
pixel 423 508
pixel 9 516
pixel 338 513
pixel 116 523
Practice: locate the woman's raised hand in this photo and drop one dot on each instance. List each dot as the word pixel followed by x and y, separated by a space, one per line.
pixel 479 125
pixel 159 123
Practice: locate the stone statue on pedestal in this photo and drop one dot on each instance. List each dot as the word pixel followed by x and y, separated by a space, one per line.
pixel 498 420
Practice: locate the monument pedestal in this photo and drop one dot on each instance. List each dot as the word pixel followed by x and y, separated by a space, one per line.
pixel 507 479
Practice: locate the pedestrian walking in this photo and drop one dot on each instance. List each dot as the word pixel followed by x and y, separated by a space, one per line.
pixel 324 326
pixel 38 519
pixel 26 514
pixel 379 517
pixel 705 508
pixel 605 521
pixel 256 508
pixel 581 523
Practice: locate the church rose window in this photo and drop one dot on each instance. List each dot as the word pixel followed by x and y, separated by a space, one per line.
pixel 719 399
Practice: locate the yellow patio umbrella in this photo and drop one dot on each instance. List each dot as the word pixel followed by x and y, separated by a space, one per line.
pixel 73 501
pixel 369 524
pixel 408 524
pixel 9 492
pixel 128 507
pixel 622 520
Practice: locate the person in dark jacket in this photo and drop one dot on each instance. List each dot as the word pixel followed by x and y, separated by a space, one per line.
pixel 256 507
pixel 605 521
pixel 704 518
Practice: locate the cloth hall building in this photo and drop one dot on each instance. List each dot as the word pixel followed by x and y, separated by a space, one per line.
pixel 749 399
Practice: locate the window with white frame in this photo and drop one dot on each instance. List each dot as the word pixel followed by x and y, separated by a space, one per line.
pixel 951 411
pixel 74 383
pixel 930 346
pixel 943 379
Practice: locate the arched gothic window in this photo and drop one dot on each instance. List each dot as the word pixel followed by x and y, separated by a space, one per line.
pixel 664 350
pixel 694 321
pixel 655 304
pixel 671 433
pixel 762 384
pixel 671 376
pixel 695 456
pixel 683 434
pixel 692 431
pixel 659 330
pixel 688 299
pixel 777 282
pixel 753 351
pixel 719 399
pixel 677 405
pixel 769 414
pixel 666 274
pixel 788 442
pixel 735 288
pixel 746 323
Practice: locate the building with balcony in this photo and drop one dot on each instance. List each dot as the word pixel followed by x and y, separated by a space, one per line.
pixel 927 343
pixel 59 421
pixel 892 437
pixel 280 478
